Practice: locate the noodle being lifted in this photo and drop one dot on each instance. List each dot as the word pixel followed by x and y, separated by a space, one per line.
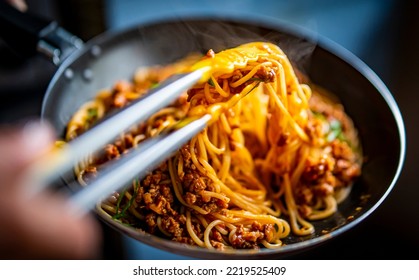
pixel 276 155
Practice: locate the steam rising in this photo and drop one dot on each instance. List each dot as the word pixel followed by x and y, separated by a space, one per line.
pixel 201 35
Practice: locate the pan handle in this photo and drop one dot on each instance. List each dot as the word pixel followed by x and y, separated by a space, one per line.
pixel 28 34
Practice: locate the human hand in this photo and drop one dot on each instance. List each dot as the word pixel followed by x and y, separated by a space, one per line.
pixel 19 4
pixel 40 227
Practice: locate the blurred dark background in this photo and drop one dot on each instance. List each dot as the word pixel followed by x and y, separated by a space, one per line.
pixel 383 33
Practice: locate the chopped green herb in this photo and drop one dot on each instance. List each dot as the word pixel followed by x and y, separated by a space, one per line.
pixel 128 205
pixel 118 203
pixel 183 122
pixel 335 125
pixel 335 131
pixel 211 82
pixel 319 115
pixel 92 114
pixel 154 84
pixel 341 137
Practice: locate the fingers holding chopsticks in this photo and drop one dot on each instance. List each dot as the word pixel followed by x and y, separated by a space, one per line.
pixel 39 227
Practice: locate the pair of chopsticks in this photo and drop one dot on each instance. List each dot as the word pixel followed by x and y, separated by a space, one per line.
pixel 135 164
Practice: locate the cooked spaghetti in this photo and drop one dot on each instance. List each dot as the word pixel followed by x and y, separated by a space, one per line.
pixel 276 155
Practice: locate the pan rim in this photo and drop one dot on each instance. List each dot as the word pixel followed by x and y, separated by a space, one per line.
pixel 276 25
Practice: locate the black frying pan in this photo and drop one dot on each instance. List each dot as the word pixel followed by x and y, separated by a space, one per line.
pixel 113 56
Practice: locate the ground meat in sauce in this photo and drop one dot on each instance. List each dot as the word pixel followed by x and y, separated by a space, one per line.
pixel 155 198
pixel 346 167
pixel 266 74
pixel 111 151
pixel 321 178
pixel 249 239
pixel 172 225
pixel 119 93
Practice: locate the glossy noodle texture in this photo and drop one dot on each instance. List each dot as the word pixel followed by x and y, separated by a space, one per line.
pixel 277 154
